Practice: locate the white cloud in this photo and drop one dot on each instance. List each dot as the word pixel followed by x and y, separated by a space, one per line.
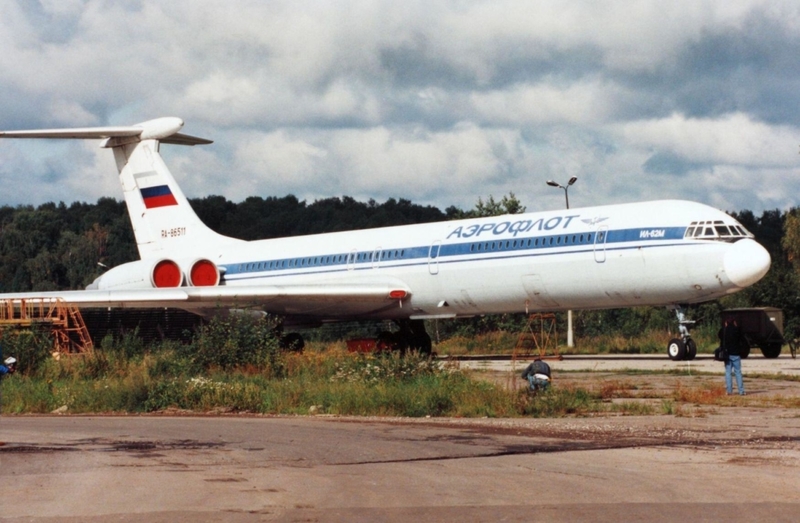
pixel 581 103
pixel 440 102
pixel 731 139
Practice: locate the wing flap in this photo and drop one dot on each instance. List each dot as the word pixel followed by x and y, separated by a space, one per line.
pixel 324 300
pixel 326 292
pixel 144 299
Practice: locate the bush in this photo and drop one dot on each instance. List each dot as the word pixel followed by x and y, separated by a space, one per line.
pixel 373 368
pixel 31 348
pixel 127 345
pixel 238 341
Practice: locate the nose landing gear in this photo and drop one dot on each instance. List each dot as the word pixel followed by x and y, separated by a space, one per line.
pixel 683 348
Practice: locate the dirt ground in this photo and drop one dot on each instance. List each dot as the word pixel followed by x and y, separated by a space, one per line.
pixel 649 376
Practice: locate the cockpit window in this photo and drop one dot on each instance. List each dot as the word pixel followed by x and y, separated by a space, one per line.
pixel 722 230
pixel 716 230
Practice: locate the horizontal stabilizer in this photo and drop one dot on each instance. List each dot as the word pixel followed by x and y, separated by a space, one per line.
pixel 164 130
pixel 80 133
pixel 185 139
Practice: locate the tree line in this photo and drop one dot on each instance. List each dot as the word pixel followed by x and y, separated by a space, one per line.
pixel 58 246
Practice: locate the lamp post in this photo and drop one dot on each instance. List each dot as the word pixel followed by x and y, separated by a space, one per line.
pixel 551 183
pixel 572 180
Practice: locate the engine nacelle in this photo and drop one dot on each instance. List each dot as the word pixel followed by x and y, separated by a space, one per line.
pixel 142 274
pixel 160 274
pixel 203 273
pixel 166 274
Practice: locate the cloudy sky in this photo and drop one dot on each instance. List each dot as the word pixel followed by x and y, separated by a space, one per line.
pixel 436 102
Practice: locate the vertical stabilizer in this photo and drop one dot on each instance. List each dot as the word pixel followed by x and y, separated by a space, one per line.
pixel 163 222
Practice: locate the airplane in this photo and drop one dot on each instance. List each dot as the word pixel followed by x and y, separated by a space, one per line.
pixel 659 253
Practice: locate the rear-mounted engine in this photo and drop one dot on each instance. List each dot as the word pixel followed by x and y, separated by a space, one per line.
pixel 165 274
pixel 204 274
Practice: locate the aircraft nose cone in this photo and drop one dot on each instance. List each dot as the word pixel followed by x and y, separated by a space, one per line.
pixel 746 263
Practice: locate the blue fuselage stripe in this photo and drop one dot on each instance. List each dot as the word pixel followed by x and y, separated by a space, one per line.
pixel 534 246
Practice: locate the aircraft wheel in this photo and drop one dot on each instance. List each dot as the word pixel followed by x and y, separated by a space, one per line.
pixel 691 349
pixel 421 341
pixel 293 342
pixel 676 349
pixel 413 336
pixel 771 350
pixel 746 351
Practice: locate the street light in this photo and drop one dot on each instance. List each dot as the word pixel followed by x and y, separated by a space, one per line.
pixel 572 180
pixel 551 183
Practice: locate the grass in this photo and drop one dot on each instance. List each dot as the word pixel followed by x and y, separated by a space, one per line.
pixel 331 381
pixel 124 376
pixel 502 342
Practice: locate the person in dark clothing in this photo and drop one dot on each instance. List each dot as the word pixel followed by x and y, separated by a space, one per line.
pixel 733 342
pixel 538 375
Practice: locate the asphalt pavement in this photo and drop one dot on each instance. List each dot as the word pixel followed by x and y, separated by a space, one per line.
pixel 727 464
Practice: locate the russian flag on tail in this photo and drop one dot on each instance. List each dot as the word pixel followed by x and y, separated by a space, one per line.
pixel 159 196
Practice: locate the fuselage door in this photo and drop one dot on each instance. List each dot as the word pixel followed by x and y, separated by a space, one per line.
pixel 433 257
pixel 351 260
pixel 600 244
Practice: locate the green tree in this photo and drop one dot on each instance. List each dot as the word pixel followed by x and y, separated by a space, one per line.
pixel 791 237
pixel 509 204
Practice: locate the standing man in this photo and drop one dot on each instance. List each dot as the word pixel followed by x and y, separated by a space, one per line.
pixel 733 341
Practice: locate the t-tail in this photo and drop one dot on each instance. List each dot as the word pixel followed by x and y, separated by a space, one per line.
pixel 163 222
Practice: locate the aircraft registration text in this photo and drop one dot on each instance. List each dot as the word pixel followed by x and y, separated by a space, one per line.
pixel 174 232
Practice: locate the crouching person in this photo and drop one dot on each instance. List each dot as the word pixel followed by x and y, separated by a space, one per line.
pixel 8 366
pixel 538 375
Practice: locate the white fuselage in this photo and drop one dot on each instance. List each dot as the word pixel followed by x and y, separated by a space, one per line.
pixel 599 257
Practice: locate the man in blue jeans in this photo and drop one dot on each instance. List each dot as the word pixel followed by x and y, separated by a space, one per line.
pixel 538 375
pixel 733 342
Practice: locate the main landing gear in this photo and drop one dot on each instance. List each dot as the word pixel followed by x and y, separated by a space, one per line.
pixel 292 342
pixel 683 348
pixel 412 336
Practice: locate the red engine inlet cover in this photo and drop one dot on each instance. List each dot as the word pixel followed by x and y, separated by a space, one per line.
pixel 166 273
pixel 204 274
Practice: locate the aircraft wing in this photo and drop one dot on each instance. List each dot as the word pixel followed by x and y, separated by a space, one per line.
pixel 323 300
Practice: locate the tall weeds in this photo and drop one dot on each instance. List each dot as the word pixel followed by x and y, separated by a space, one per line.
pixel 235 364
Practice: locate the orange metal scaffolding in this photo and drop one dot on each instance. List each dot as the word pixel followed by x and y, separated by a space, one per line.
pixel 62 319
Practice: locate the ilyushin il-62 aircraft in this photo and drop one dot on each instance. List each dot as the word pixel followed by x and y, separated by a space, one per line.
pixel 664 253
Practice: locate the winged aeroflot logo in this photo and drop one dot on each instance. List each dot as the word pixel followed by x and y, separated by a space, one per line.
pixel 594 221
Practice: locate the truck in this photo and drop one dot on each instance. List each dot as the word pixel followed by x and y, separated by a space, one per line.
pixel 762 327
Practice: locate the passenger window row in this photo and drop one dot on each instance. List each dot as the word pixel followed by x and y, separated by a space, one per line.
pixel 549 241
pixel 323 261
